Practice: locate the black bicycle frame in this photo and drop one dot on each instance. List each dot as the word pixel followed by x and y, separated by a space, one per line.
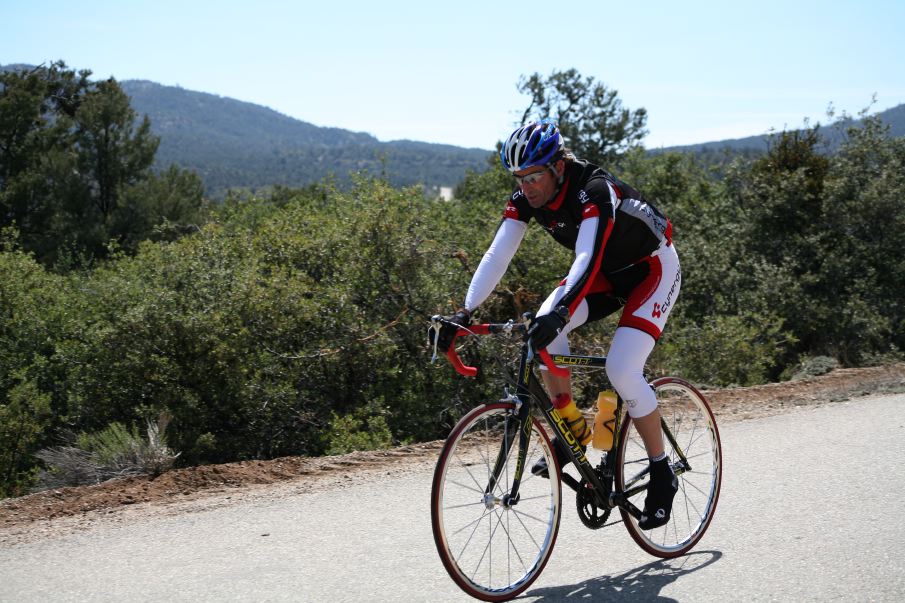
pixel 531 393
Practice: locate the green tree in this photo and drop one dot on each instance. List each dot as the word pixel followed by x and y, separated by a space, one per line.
pixel 161 207
pixel 37 109
pixel 593 121
pixel 72 153
pixel 113 153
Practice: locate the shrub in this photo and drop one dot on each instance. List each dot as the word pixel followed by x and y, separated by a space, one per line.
pixel 814 366
pixel 115 451
pixel 348 433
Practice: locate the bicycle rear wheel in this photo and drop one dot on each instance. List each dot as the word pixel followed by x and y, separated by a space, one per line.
pixel 492 550
pixel 694 429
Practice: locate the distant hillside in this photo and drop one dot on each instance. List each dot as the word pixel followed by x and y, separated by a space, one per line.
pixel 232 144
pixel 894 117
pixel 235 144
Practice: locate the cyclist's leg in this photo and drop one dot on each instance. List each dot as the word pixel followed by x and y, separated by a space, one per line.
pixel 643 319
pixel 625 368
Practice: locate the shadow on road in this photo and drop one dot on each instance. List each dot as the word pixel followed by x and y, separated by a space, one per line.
pixel 640 584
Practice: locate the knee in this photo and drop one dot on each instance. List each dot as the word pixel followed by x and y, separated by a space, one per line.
pixel 622 374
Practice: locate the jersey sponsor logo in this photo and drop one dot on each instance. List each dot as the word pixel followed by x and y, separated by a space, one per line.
pixel 554 225
pixel 644 212
pixel 659 309
pixel 583 196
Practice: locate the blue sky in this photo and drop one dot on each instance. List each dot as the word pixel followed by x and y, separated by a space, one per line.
pixel 447 71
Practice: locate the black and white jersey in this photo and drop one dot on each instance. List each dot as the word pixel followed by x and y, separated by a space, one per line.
pixel 609 225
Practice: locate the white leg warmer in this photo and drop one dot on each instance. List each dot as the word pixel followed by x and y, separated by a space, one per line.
pixel 625 369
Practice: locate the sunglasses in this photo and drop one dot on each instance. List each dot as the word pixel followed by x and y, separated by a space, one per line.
pixel 529 179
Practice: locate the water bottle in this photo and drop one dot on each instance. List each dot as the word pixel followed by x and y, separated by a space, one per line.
pixel 604 420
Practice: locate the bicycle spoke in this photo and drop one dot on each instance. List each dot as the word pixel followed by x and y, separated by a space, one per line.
pixel 511 543
pixel 475 523
pixel 529 516
pixel 518 516
pixel 467 487
pixel 479 503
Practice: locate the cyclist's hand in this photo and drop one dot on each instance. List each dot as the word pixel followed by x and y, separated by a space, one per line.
pixel 544 329
pixel 448 331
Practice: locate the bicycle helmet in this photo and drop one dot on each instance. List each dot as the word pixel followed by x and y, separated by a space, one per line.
pixel 537 143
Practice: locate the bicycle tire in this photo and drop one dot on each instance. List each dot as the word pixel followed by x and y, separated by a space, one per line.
pixel 491 551
pixel 691 420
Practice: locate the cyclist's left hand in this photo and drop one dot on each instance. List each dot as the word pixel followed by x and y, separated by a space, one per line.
pixel 544 329
pixel 448 331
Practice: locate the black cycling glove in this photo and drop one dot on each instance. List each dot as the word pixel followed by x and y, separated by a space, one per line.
pixel 448 331
pixel 544 329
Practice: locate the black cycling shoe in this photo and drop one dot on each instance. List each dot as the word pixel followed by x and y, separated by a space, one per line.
pixel 540 468
pixel 661 490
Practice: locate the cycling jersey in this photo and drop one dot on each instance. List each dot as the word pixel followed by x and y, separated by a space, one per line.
pixel 608 224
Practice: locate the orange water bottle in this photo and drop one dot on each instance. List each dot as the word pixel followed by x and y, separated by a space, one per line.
pixel 604 420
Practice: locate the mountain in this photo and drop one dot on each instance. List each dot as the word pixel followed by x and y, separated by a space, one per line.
pixel 894 117
pixel 235 144
pixel 232 144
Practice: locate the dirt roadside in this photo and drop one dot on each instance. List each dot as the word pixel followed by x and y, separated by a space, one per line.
pixel 60 510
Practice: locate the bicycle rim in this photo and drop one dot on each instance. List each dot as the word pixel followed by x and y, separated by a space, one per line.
pixel 691 422
pixel 493 552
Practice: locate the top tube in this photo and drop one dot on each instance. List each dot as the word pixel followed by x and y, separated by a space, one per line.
pixel 553 364
pixel 579 361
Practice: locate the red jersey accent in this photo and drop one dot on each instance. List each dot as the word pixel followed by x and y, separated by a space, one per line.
pixel 511 211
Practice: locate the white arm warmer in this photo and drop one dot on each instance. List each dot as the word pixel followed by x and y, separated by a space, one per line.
pixel 495 261
pixel 584 252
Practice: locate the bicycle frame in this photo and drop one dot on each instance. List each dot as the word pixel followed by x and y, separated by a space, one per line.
pixel 529 394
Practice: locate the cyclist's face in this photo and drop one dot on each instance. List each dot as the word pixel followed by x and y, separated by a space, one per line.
pixel 538 184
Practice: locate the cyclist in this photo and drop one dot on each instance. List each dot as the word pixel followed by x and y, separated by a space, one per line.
pixel 624 258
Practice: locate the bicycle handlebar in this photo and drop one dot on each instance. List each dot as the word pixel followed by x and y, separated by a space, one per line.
pixel 487 329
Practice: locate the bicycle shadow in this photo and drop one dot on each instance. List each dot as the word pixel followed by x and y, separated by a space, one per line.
pixel 640 584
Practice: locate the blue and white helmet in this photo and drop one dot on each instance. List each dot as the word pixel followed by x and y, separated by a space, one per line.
pixel 537 143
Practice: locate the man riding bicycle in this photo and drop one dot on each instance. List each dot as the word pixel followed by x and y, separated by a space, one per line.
pixel 624 258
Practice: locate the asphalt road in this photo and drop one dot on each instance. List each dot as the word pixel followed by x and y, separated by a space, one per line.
pixel 812 508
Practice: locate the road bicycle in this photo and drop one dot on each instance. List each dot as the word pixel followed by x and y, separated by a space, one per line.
pixel 495 524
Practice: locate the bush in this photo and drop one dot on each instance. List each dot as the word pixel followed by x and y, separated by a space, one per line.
pixel 348 433
pixel 727 350
pixel 115 451
pixel 814 367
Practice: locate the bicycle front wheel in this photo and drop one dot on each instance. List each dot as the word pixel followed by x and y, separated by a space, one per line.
pixel 492 549
pixel 690 421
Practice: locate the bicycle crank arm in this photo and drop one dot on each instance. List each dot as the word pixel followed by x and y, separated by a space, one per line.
pixel 570 481
pixel 621 500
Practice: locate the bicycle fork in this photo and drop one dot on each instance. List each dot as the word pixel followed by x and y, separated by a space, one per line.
pixel 517 424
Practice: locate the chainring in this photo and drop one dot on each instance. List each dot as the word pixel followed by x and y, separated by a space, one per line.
pixel 590 514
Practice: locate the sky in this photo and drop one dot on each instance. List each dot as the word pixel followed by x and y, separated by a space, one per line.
pixel 447 72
